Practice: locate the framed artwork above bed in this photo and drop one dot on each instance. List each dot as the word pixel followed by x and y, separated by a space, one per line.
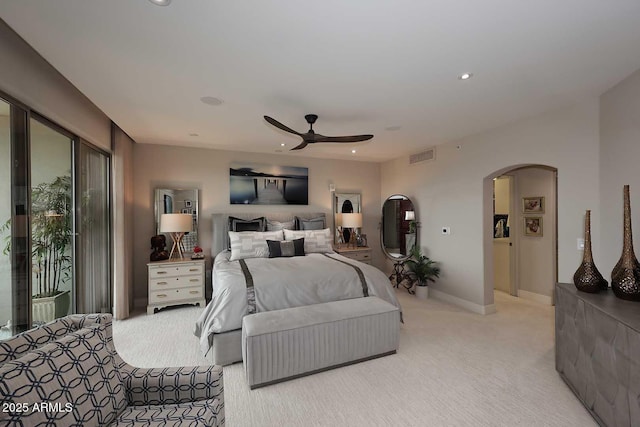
pixel 258 184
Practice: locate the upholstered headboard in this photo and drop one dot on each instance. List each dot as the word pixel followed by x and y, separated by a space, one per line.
pixel 221 224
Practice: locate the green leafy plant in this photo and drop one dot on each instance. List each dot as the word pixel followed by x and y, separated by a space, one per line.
pixel 51 225
pixel 423 268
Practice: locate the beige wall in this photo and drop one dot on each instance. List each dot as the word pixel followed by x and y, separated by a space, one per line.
pixel 536 255
pixel 208 170
pixel 619 155
pixel 450 190
pixel 27 77
pixel 502 195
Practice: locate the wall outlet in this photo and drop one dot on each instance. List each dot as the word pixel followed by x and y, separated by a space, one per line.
pixel 446 230
pixel 580 244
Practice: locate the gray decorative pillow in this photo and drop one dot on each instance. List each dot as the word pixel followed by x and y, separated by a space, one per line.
pixel 239 224
pixel 277 225
pixel 315 241
pixel 286 248
pixel 311 224
pixel 251 244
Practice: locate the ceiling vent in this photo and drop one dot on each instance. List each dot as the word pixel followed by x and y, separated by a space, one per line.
pixel 428 155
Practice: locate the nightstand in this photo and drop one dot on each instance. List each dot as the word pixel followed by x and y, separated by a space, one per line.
pixel 175 282
pixel 362 253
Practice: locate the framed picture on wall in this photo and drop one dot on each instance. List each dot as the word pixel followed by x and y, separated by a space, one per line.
pixel 533 204
pixel 262 184
pixel 533 226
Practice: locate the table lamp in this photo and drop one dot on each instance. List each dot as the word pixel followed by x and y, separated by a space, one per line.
pixel 176 224
pixel 352 221
pixel 411 217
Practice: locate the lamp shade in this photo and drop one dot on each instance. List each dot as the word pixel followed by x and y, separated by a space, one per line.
pixel 176 223
pixel 352 220
pixel 409 215
pixel 338 219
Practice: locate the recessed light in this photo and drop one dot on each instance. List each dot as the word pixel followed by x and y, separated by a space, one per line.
pixel 353 151
pixel 282 144
pixel 210 100
pixel 465 76
pixel 161 2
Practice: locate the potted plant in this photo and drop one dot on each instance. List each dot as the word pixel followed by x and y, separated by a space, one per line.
pixel 51 222
pixel 423 269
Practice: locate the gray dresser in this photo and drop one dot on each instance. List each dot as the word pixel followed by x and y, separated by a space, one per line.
pixel 598 353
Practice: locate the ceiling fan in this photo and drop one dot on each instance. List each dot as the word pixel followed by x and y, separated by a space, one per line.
pixel 311 137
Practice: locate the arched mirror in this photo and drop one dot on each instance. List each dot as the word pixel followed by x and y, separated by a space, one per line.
pixel 398 230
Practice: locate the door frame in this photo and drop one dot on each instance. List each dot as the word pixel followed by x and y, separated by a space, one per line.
pixel 487 222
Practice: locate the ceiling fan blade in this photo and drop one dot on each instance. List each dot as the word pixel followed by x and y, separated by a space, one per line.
pixel 353 138
pixel 300 147
pixel 279 125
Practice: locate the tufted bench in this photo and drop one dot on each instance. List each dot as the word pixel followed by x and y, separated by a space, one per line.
pixel 285 344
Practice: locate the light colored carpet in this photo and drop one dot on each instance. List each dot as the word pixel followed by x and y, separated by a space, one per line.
pixel 453 368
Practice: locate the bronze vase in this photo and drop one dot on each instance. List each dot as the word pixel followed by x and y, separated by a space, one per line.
pixel 625 276
pixel 587 278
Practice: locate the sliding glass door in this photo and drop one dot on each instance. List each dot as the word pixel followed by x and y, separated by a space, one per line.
pixel 55 241
pixel 6 299
pixel 52 221
pixel 15 253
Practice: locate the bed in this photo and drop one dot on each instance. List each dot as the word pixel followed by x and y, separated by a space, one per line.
pixel 249 285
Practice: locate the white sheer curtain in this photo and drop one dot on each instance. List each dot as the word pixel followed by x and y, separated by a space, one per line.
pixel 94 276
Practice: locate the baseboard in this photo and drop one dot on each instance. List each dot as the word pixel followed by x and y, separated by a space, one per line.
pixel 468 305
pixel 532 296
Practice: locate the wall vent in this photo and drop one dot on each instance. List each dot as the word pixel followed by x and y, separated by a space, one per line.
pixel 424 156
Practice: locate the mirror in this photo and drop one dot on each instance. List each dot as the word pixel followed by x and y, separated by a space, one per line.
pixel 399 227
pixel 344 203
pixel 172 200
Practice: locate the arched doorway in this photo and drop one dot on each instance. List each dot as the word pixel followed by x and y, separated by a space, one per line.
pixel 520 243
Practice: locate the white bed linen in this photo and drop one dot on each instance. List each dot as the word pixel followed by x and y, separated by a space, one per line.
pixel 283 283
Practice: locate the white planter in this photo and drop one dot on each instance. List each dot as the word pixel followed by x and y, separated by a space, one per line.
pixel 50 308
pixel 422 292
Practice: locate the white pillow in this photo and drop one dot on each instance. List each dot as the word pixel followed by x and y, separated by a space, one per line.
pixel 315 241
pixel 251 244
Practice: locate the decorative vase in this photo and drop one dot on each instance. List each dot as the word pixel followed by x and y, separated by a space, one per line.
pixel 625 276
pixel 422 292
pixel 587 278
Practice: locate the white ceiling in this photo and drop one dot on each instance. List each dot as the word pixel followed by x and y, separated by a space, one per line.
pixel 362 66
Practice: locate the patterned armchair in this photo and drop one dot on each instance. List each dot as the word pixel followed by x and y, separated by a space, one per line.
pixel 68 372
